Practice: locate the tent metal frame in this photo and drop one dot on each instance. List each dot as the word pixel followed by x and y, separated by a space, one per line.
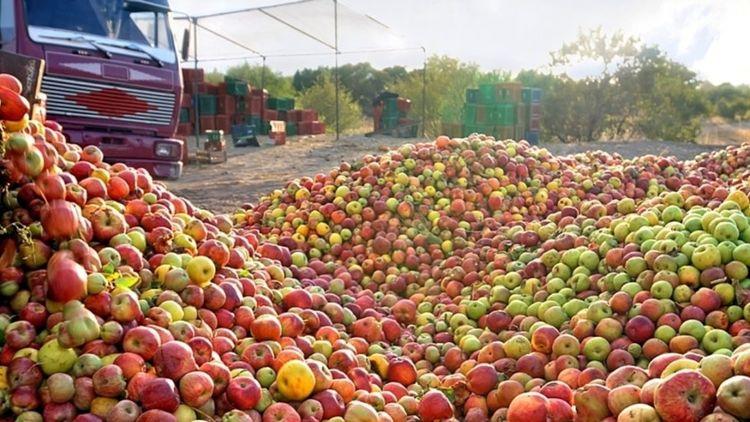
pixel 194 21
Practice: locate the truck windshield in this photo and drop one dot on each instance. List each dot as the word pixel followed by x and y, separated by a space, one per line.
pixel 102 18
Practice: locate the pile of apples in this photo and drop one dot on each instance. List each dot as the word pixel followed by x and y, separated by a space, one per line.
pixel 533 287
pixel 464 279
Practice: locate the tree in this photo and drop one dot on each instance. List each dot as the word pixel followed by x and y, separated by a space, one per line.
pixel 728 101
pixel 362 80
pixel 664 95
pixel 446 82
pixel 322 97
pixel 599 93
pixel 277 84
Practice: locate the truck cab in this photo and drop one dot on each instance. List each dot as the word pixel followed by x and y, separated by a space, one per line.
pixel 112 76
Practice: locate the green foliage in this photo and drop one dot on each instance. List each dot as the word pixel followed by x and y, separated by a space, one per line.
pixel 362 80
pixel 446 82
pixel 322 97
pixel 665 96
pixel 728 101
pixel 277 84
pixel 639 92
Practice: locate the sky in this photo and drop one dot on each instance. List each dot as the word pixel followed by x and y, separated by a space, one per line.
pixel 710 37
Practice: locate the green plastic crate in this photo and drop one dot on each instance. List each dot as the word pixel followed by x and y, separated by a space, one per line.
pixel 213 135
pixel 472 96
pixel 184 115
pixel 236 87
pixel 504 114
pixel 390 105
pixel 389 122
pixel 526 95
pixel 487 93
pixel 503 132
pixel 291 128
pixel 470 114
pixel 468 129
pixel 207 105
pixel 281 104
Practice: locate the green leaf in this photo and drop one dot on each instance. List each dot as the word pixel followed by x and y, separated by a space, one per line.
pixel 108 269
pixel 127 281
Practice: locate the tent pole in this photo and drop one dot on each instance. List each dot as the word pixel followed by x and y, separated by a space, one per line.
pixel 424 91
pixel 196 94
pixel 336 69
pixel 262 90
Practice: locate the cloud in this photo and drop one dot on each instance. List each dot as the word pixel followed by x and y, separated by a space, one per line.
pixel 707 36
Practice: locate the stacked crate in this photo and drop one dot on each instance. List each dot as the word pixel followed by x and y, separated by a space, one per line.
pixel 491 109
pixel 500 110
pixel 298 121
pixel 236 107
pixel 390 116
pixel 532 100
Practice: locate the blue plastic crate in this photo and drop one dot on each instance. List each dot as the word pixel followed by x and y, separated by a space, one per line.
pixel 532 137
pixel 240 131
pixel 536 95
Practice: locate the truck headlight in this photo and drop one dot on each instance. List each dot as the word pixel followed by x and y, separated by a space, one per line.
pixel 165 149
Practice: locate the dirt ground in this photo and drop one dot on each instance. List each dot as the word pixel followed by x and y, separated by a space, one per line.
pixel 251 172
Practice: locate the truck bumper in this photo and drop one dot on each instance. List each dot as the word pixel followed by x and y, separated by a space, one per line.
pixel 134 150
pixel 159 169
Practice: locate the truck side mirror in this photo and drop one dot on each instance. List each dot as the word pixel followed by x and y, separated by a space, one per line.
pixel 185 52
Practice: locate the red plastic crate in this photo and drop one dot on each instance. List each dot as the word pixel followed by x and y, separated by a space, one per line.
pixel 535 124
pixel 212 89
pixel 221 88
pixel 223 122
pixel 207 123
pixel 185 153
pixel 187 100
pixel 305 128
pixel 256 105
pixel 318 128
pixel 192 75
pixel 308 115
pixel 269 115
pixel 184 129
pixel 191 88
pixel 404 105
pixel 535 109
pixel 225 105
pixel 483 114
pixel 279 138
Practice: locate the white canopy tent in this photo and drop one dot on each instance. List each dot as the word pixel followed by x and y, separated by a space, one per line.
pixel 306 31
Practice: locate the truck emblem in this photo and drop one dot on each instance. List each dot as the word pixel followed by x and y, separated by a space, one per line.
pixel 111 102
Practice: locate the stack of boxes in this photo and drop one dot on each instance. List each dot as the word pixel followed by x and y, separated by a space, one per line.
pixel 506 110
pixel 389 115
pixel 532 103
pixel 233 106
pixel 492 109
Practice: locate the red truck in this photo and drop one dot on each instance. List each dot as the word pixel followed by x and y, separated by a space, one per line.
pixel 112 75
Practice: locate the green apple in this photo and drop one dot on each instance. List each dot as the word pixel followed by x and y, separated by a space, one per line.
pixel 517 346
pixel 665 333
pixel 596 349
pixel 693 328
pixel 54 358
pixel 706 256
pixel 715 340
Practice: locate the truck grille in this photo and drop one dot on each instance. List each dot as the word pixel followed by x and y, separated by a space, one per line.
pixel 95 100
